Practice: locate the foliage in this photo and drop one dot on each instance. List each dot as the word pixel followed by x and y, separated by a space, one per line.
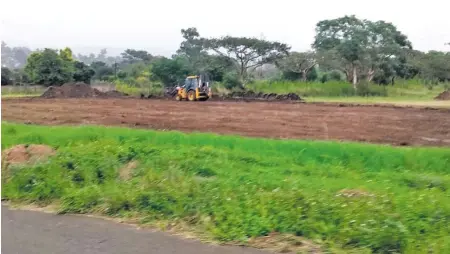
pixel 312 75
pixel 231 80
pixel 83 72
pixel 359 46
pixel 6 76
pixel 433 65
pixel 20 77
pixel 171 71
pixel 246 53
pixel 197 57
pixel 235 188
pixel 301 63
pixel 100 57
pixel 191 48
pixel 14 57
pixel 132 56
pixel 66 54
pixel 317 89
pixel 147 88
pixel 49 68
pixel 333 75
pixel 403 89
pixel 357 49
pixel 102 71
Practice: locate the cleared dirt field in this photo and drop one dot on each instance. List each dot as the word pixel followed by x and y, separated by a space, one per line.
pixel 376 124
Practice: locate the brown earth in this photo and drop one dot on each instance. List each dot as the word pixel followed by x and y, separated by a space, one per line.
pixel 388 125
pixel 125 173
pixel 78 90
pixel 24 154
pixel 443 96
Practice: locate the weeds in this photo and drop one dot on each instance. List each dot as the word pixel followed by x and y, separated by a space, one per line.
pixel 235 188
pixel 411 89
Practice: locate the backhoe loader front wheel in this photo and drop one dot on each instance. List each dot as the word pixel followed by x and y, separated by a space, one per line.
pixel 178 97
pixel 191 95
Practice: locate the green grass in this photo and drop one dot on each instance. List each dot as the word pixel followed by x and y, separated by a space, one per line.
pixel 22 91
pixel 147 89
pixel 234 188
pixel 18 95
pixel 402 90
pixel 399 101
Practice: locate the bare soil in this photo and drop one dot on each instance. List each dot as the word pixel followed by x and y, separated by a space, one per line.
pixel 23 155
pixel 78 90
pixel 445 96
pixel 375 124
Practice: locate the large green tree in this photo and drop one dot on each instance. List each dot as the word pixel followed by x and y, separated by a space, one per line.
pixel 49 68
pixel 83 72
pixel 300 63
pixel 246 53
pixel 434 65
pixel 102 70
pixel 193 50
pixel 359 47
pixel 191 47
pixel 171 71
pixel 133 56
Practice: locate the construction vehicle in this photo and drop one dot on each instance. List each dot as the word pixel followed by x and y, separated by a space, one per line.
pixel 195 88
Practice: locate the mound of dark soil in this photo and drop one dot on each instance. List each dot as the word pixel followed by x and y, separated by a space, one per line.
pixel 78 90
pixel 443 96
pixel 250 95
pixel 115 94
pixel 170 92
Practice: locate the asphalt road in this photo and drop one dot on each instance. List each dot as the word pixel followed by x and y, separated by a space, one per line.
pixel 27 232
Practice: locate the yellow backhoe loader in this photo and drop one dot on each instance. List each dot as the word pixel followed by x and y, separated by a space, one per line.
pixel 195 88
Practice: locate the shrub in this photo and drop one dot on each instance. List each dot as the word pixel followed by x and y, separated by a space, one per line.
pixel 231 80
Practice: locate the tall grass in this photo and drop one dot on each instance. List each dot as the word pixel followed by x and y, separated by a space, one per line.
pixel 234 188
pixel 411 89
pixel 146 89
pixel 22 90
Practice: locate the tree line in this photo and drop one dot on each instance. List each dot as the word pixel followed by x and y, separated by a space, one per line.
pixel 358 51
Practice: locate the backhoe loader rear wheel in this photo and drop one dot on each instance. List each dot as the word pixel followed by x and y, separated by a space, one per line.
pixel 191 95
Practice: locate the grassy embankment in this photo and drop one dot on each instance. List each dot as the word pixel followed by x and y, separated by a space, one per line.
pixel 233 188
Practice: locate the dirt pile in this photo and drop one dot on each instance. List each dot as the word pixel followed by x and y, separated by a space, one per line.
pixel 24 154
pixel 78 90
pixel 114 94
pixel 250 95
pixel 445 96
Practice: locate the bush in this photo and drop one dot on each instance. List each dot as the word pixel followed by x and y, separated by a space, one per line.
pixel 364 89
pixel 231 80
pixel 335 75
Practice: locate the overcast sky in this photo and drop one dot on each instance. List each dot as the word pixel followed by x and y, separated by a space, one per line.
pixel 88 25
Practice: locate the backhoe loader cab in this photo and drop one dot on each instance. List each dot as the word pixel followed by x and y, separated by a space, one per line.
pixel 195 88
